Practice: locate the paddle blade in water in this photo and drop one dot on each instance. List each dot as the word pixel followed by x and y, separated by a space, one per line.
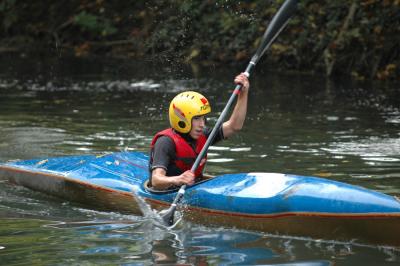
pixel 168 215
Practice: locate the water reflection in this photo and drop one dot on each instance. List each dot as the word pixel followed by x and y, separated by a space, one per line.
pixel 127 241
pixel 191 245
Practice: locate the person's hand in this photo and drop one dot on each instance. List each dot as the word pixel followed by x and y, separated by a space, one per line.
pixel 242 80
pixel 186 178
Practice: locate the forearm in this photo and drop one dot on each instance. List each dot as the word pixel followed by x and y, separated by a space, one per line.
pixel 238 116
pixel 236 121
pixel 160 181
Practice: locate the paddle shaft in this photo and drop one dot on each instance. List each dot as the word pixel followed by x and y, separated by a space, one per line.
pixel 277 24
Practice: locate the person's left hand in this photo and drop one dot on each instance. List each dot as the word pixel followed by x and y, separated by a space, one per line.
pixel 244 81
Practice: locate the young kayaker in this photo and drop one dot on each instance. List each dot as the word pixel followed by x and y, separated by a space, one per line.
pixel 174 150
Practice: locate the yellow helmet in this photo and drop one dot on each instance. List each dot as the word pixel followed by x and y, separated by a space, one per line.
pixel 184 107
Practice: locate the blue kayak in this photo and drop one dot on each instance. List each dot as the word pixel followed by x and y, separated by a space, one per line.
pixel 269 202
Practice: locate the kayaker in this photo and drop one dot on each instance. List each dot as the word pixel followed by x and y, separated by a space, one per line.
pixel 174 150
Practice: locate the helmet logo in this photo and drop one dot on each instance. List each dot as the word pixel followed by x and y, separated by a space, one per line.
pixel 205 104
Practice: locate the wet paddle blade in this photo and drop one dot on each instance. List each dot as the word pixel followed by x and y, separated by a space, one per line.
pixel 168 218
pixel 168 215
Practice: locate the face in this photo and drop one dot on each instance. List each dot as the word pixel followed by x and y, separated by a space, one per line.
pixel 198 124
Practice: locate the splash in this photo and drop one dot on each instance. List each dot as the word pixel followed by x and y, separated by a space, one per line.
pixel 155 216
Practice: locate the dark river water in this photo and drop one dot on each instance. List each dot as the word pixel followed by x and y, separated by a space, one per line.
pixel 301 124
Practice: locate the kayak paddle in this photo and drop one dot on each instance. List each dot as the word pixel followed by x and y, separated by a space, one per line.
pixel 277 24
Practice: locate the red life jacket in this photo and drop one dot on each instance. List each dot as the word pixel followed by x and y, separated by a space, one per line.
pixel 185 154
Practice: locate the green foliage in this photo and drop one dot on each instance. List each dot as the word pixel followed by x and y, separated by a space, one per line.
pixel 94 24
pixel 360 37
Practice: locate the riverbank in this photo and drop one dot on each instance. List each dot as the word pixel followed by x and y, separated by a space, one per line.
pixel 347 37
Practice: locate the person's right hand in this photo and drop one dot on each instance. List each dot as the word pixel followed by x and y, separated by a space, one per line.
pixel 186 178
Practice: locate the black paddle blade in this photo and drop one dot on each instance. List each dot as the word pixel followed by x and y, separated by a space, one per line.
pixel 167 216
pixel 276 25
